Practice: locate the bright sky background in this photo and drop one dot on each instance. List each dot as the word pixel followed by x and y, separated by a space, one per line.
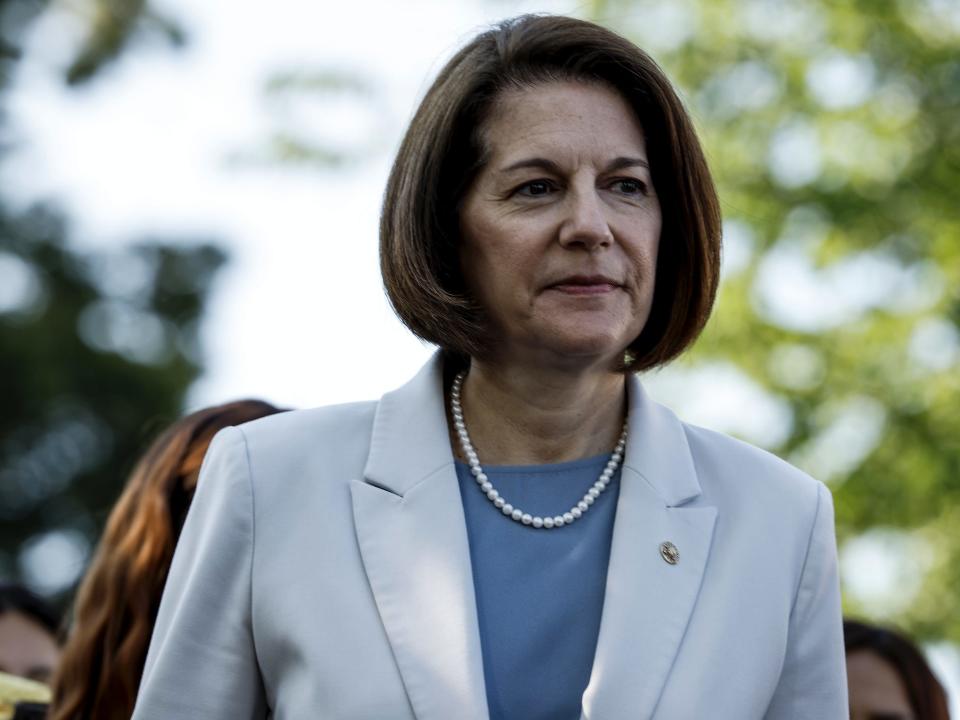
pixel 298 317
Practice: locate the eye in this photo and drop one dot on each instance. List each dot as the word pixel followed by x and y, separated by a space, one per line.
pixel 535 188
pixel 630 186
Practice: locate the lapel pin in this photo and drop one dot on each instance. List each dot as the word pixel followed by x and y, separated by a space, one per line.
pixel 669 553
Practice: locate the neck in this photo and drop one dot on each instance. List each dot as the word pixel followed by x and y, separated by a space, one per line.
pixel 529 416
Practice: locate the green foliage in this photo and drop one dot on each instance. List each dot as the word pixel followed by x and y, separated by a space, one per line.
pixel 832 131
pixel 97 349
pixel 108 26
pixel 111 24
pixel 98 352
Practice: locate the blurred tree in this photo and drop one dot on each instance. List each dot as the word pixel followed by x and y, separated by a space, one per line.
pixel 301 103
pixel 98 353
pixel 97 350
pixel 832 128
pixel 106 30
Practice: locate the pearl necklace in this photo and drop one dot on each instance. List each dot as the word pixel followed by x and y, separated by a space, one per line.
pixel 516 514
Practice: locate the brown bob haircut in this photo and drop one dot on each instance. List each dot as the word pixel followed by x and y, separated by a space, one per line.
pixel 443 151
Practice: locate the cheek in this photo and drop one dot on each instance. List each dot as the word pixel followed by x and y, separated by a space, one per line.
pixel 498 280
pixel 492 259
pixel 651 269
pixel 651 248
pixel 643 261
pixel 478 263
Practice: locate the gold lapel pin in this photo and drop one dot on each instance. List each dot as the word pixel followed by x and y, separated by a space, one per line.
pixel 669 553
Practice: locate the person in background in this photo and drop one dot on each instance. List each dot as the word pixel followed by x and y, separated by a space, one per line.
pixel 117 601
pixel 28 634
pixel 888 678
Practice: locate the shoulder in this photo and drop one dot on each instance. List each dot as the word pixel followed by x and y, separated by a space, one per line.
pixel 737 476
pixel 288 439
pixel 768 511
pixel 295 465
pixel 716 453
pixel 296 443
pixel 313 426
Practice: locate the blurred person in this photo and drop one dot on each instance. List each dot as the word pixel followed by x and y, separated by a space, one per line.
pixel 117 601
pixel 888 677
pixel 519 531
pixel 28 634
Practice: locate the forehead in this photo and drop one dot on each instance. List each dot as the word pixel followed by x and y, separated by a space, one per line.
pixel 875 685
pixel 560 116
pixel 24 641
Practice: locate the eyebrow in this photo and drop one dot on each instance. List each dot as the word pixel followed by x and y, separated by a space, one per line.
pixel 618 163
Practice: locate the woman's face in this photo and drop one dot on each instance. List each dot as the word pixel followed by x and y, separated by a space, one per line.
pixel 26 648
pixel 875 687
pixel 560 229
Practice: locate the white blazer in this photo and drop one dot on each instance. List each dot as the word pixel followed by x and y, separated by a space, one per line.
pixel 324 573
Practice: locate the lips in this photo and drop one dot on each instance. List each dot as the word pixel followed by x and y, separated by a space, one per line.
pixel 585 284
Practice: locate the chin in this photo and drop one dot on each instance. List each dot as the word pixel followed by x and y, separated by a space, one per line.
pixel 595 347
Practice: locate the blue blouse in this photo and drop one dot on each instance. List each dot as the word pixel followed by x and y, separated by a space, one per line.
pixel 539 592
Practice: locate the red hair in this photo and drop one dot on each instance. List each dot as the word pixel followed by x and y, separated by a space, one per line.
pixel 116 604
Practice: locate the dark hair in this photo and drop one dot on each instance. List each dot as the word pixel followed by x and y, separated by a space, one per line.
pixel 443 150
pixel 16 598
pixel 927 697
pixel 117 602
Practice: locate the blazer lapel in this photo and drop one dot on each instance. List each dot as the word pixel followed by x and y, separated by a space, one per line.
pixel 648 601
pixel 412 536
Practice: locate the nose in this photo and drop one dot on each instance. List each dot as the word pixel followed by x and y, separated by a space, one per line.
pixel 585 224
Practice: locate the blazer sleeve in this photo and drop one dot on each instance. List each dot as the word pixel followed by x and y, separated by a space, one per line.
pixel 813 680
pixel 201 663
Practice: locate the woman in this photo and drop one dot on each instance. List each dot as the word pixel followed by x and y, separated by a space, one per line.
pixel 29 646
pixel 889 678
pixel 29 652
pixel 117 601
pixel 518 532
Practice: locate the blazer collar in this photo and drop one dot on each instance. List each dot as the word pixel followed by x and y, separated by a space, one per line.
pixel 412 416
pixel 412 535
pixel 657 448
pixel 648 601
